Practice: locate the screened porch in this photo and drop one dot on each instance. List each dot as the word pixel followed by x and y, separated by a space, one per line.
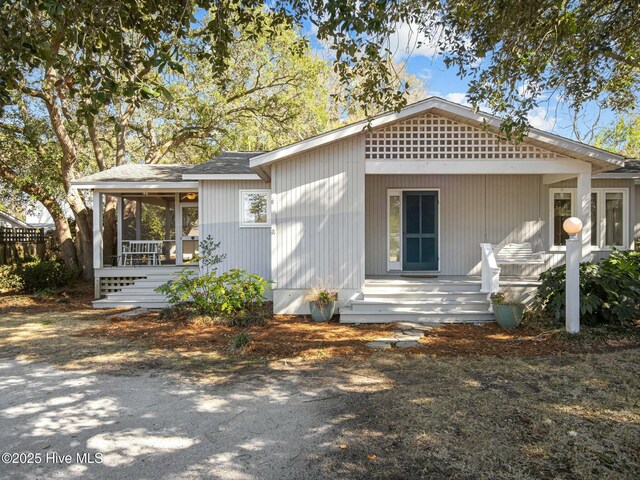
pixel 152 229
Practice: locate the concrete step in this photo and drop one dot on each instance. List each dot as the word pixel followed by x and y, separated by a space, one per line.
pixel 395 306
pixel 350 316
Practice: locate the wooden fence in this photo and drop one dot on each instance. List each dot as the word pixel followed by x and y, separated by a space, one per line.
pixel 20 243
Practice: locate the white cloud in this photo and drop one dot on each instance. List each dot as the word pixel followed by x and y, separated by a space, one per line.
pixel 538 118
pixel 458 97
pixel 408 41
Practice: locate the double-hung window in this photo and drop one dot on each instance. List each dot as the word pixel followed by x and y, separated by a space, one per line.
pixel 255 208
pixel 609 216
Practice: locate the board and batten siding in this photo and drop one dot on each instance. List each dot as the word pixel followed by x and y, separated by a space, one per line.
pixel 248 248
pixel 473 209
pixel 319 233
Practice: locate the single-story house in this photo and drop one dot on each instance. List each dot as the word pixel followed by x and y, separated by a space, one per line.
pixel 390 213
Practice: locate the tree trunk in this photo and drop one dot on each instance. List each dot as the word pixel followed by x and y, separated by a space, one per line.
pixel 64 238
pixel 85 237
pixel 109 229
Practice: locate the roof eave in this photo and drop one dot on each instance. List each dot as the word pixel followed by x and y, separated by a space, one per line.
pixel 130 186
pixel 220 176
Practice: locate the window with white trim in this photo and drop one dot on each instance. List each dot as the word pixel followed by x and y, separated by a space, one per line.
pixel 609 217
pixel 255 208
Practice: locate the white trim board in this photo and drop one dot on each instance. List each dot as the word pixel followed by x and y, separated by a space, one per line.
pixel 476 167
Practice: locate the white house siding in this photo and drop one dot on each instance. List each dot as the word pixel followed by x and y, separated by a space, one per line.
pixel 478 208
pixel 473 209
pixel 319 237
pixel 246 247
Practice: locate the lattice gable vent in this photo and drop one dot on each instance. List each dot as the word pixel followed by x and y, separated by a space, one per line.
pixel 432 137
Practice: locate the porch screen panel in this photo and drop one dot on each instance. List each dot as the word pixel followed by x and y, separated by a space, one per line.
pixel 428 214
pixel 152 218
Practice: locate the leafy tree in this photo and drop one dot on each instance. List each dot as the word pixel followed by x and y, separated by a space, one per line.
pixel 622 137
pixel 512 51
pixel 29 154
pixel 111 82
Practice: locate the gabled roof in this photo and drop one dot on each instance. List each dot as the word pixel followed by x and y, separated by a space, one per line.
pixel 602 159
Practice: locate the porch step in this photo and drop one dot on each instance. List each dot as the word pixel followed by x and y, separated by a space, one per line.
pixel 429 301
pixel 417 306
pixel 424 296
pixel 141 293
pixel 419 287
pixel 347 316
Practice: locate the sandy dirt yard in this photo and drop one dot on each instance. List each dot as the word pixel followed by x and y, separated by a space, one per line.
pixel 160 400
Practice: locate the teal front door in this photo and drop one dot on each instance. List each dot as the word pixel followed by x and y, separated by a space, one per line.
pixel 420 231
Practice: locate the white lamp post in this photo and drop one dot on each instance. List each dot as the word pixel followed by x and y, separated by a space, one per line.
pixel 573 226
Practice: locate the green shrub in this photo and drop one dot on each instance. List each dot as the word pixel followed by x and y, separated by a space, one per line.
pixel 211 294
pixel 609 290
pixel 9 280
pixel 39 275
pixel 208 293
pixel 241 341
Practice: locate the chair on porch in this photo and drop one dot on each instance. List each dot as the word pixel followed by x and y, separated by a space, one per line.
pixel 140 252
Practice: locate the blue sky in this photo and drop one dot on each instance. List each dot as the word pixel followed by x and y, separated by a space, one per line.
pixel 426 64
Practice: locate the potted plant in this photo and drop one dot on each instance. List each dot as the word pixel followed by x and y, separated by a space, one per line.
pixel 508 312
pixel 322 303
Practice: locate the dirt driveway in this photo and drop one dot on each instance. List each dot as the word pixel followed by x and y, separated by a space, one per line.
pixel 74 382
pixel 276 425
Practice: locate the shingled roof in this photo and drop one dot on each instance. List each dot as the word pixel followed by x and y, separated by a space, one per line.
pixel 630 166
pixel 135 172
pixel 225 163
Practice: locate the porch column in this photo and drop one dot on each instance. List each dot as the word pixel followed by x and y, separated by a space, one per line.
pixel 583 211
pixel 178 230
pixel 97 241
pixel 119 227
pixel 97 229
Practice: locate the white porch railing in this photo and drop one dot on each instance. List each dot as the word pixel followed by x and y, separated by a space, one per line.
pixel 490 270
